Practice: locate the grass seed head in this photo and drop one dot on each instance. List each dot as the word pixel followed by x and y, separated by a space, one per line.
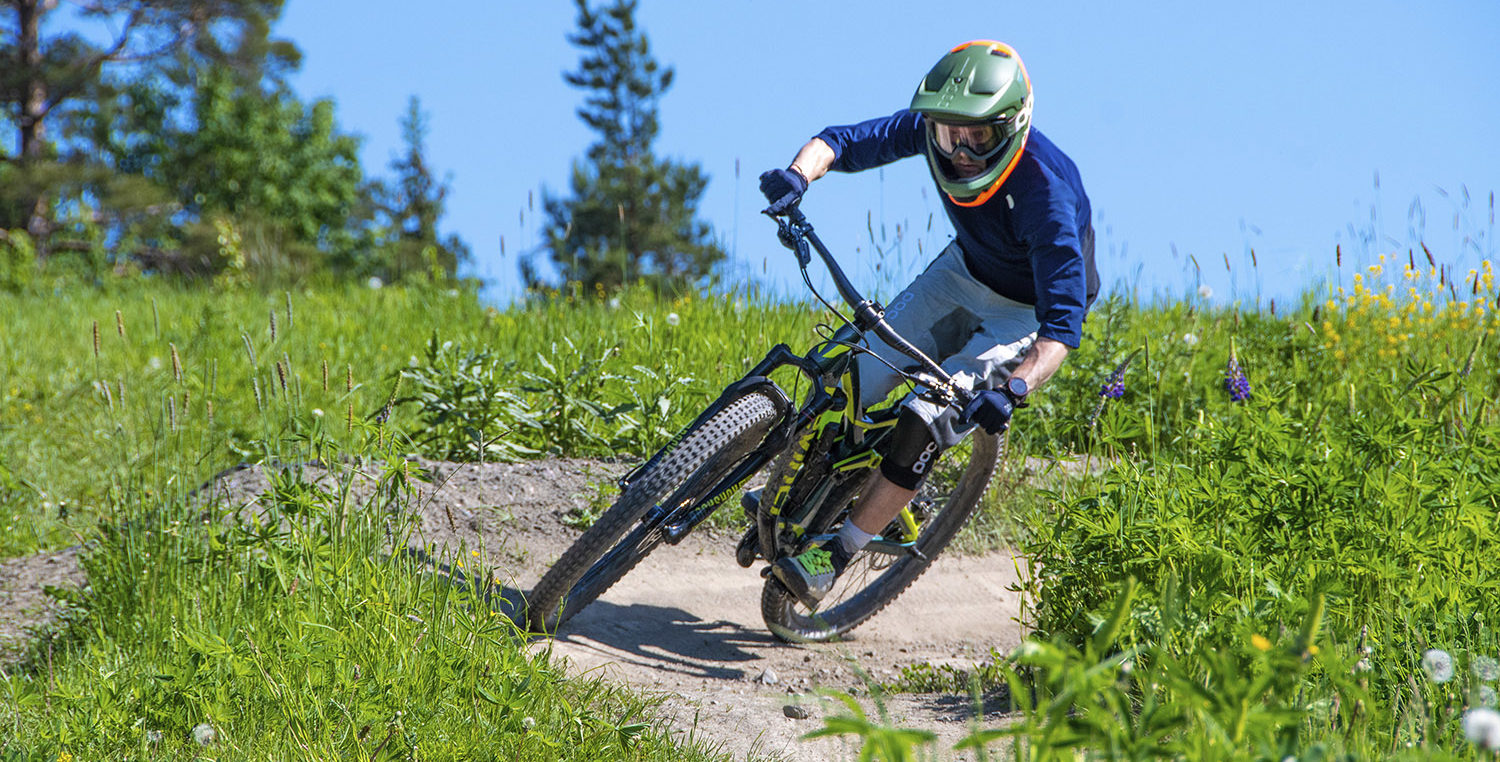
pixel 119 324
pixel 96 340
pixel 176 364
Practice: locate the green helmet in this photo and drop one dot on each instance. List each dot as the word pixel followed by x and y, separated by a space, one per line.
pixel 977 104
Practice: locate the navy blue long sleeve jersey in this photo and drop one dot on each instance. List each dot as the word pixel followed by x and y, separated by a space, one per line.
pixel 1032 241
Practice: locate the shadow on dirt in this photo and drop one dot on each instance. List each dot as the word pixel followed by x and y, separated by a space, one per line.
pixel 667 638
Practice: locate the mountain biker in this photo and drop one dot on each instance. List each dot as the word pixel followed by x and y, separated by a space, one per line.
pixel 999 308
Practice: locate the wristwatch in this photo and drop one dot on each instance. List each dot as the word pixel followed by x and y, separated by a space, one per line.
pixel 1016 389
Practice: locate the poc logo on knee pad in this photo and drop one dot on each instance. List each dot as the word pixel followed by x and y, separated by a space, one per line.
pixel 920 467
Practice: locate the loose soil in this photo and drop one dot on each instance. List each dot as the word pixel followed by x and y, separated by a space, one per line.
pixel 685 625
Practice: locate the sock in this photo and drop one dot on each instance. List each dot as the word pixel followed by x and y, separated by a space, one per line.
pixel 853 538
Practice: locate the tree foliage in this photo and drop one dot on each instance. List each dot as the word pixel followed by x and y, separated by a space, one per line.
pixel 632 216
pixel 47 78
pixel 409 208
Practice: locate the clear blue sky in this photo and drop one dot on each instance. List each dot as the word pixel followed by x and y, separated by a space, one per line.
pixel 1208 127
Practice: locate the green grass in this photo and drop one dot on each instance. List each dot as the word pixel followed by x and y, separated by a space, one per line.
pixel 1248 580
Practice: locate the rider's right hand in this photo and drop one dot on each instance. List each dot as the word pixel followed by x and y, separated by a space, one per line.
pixel 783 188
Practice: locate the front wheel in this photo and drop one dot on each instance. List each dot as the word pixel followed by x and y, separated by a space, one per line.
pixel 874 578
pixel 625 534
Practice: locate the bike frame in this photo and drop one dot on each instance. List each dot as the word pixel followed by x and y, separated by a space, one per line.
pixel 830 409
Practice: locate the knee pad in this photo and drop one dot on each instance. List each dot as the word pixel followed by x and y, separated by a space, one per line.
pixel 912 452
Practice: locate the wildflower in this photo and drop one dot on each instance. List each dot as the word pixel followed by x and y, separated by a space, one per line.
pixel 204 734
pixel 1260 642
pixel 1189 339
pixel 1485 668
pixel 1482 728
pixel 614 302
pixel 1438 665
pixel 317 412
pixel 1488 697
pixel 1205 292
pixel 672 318
pixel 375 283
pixel 1234 378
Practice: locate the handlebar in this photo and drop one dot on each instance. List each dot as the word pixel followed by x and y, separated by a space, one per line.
pixel 797 234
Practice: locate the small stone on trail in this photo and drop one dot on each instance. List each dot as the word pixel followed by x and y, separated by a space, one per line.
pixel 768 677
pixel 796 711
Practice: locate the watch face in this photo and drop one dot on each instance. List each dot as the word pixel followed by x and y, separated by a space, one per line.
pixel 1017 386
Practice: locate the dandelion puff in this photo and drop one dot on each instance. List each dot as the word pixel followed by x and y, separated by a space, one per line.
pixel 1205 291
pixel 1485 668
pixel 204 734
pixel 1189 339
pixel 1438 665
pixel 153 737
pixel 673 319
pixel 1488 697
pixel 375 283
pixel 1482 727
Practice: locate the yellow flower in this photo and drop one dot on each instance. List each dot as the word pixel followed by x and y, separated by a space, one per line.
pixel 1260 642
pixel 474 553
pixel 1312 649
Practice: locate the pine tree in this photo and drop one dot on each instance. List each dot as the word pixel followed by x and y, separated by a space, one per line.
pixel 411 207
pixel 632 216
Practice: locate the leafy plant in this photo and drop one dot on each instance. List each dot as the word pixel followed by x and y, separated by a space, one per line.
pixel 464 407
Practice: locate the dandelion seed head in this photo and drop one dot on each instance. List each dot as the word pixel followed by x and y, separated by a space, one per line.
pixel 1205 291
pixel 154 362
pixel 1488 697
pixel 1438 665
pixel 614 302
pixel 672 318
pixel 1189 339
pixel 317 412
pixel 375 283
pixel 1482 727
pixel 1485 668
pixel 204 734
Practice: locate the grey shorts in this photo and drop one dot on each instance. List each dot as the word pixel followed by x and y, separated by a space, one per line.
pixel 975 334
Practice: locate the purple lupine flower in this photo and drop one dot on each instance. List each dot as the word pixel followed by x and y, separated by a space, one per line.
pixel 1234 379
pixel 1114 388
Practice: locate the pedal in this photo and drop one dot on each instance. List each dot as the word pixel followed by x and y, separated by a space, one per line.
pixel 748 548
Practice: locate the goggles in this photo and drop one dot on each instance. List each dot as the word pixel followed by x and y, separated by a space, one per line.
pixel 981 142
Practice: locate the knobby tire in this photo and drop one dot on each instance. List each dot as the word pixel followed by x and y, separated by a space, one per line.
pixel 619 539
pixel 789 620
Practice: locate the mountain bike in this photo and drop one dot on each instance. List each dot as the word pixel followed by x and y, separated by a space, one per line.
pixel 821 453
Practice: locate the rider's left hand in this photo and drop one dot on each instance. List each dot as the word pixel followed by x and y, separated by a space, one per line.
pixel 990 409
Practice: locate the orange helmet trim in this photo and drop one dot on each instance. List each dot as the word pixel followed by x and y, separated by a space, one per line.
pixel 990 191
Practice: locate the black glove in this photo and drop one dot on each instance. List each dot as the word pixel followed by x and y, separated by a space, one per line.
pixel 990 409
pixel 783 188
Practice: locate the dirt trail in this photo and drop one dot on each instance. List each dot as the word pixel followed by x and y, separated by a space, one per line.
pixel 686 624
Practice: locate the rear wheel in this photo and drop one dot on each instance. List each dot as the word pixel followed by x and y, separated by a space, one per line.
pixel 874 578
pixel 624 534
